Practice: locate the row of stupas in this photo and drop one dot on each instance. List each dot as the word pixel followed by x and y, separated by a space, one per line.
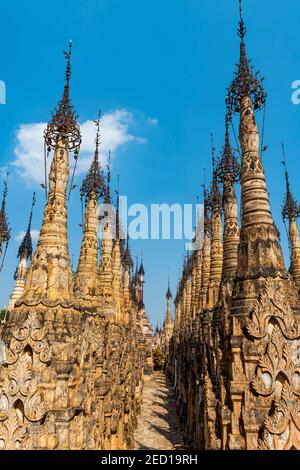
pixel 234 354
pixel 76 344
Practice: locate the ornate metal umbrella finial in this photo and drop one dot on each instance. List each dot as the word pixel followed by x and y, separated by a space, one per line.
pixel 63 123
pixel 246 81
pixel 169 293
pixel 127 258
pixel 228 165
pixel 25 249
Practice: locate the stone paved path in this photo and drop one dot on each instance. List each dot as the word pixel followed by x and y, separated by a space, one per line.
pixel 158 426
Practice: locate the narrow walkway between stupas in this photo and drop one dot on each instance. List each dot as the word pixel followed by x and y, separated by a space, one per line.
pixel 158 425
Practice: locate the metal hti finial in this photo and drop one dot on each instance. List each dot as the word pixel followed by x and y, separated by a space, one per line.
pixel 63 123
pixel 169 293
pixel 246 81
pixel 242 28
pixel 290 208
pixel 117 191
pixel 228 166
pixel 68 63
pixel 25 249
pixel 97 122
pixel 127 258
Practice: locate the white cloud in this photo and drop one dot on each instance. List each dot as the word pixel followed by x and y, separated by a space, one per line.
pixel 153 121
pixel 29 151
pixel 34 235
pixel 29 148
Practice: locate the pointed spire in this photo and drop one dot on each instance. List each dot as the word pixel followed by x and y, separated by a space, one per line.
pixel 206 249
pixel 25 249
pixel 63 123
pixel 214 198
pixel 4 227
pixel 117 191
pixel 246 81
pixel 106 262
pixel 215 203
pixel 49 277
pixel 141 269
pixel 228 173
pixel 108 178
pixel 169 293
pixel 290 211
pixel 168 323
pixel 290 208
pixel 128 263
pixel 228 166
pixel 259 251
pixel 94 181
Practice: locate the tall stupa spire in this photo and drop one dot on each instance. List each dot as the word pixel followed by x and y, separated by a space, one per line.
pixel 290 211
pixel 49 277
pixel 91 190
pixel 24 255
pixel 117 261
pixel 168 323
pixel 258 232
pixel 228 172
pixel 128 266
pixel 206 251
pixel 215 203
pixel 106 262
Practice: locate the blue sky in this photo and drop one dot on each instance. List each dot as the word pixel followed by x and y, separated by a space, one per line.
pixel 158 70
